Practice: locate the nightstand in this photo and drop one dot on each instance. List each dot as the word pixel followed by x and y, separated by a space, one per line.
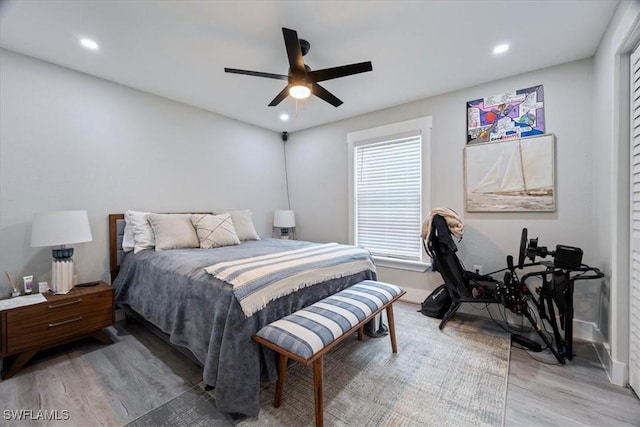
pixel 83 312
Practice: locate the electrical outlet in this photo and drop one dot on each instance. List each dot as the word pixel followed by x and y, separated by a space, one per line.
pixel 477 269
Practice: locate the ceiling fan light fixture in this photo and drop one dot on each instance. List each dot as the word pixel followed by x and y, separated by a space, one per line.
pixel 300 91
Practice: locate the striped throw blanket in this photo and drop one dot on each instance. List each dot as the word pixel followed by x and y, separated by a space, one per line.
pixel 258 280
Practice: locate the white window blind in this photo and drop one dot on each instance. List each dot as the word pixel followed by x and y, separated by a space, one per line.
pixel 388 196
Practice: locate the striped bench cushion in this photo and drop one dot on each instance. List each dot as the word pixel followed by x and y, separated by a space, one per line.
pixel 307 331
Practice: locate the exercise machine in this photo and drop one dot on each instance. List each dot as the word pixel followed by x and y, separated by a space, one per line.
pixel 554 293
pixel 556 288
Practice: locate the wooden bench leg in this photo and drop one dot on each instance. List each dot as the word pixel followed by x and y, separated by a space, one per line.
pixel 392 328
pixel 360 332
pixel 317 391
pixel 282 370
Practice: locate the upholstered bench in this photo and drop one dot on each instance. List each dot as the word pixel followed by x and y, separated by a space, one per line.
pixel 306 335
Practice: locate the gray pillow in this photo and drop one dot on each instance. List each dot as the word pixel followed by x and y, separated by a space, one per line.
pixel 173 231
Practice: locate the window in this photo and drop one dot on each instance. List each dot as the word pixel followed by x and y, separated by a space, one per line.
pixel 389 191
pixel 387 196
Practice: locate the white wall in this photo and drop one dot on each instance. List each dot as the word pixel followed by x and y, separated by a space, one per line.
pixel 71 141
pixel 317 162
pixel 611 189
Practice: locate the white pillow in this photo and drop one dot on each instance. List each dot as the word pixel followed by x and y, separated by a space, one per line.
pixel 127 237
pixel 215 230
pixel 173 231
pixel 143 237
pixel 244 225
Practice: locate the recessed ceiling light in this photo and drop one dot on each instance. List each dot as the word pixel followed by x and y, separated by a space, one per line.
pixel 284 117
pixel 89 44
pixel 501 48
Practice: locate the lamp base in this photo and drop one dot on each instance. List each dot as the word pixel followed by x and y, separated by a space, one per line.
pixel 287 233
pixel 63 253
pixel 62 275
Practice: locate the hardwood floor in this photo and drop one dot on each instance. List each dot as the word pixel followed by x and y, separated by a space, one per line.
pixel 541 392
pixel 98 385
pixel 115 384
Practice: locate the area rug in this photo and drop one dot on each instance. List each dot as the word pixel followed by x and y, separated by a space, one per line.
pixel 455 376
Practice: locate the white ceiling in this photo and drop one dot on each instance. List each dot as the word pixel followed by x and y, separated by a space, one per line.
pixel 178 49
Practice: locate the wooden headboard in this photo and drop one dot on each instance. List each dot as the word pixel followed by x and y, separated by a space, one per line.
pixel 116 233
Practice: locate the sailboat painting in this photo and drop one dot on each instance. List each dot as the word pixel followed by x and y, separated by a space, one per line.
pixel 512 175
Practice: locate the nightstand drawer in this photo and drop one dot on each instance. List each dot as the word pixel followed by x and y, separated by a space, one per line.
pixel 43 331
pixel 54 310
pixel 58 319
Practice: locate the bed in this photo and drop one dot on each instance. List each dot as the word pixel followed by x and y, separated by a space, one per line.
pixel 199 313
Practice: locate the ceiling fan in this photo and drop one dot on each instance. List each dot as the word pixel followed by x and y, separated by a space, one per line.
pixel 302 80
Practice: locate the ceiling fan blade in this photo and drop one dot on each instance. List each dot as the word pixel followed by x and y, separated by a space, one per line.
pixel 324 94
pixel 342 71
pixel 279 97
pixel 256 74
pixel 294 53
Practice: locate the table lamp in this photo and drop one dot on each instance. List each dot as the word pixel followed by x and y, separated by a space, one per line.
pixel 285 221
pixel 60 228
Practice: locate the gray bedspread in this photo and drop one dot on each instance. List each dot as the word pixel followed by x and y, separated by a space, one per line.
pixel 172 290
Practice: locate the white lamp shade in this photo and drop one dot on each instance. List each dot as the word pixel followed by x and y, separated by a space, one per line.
pixel 284 219
pixel 60 228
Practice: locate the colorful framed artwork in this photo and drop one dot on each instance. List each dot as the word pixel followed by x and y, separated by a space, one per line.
pixel 515 114
pixel 511 176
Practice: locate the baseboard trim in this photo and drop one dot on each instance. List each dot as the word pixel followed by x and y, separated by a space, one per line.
pixel 415 296
pixel 587 331
pixel 617 372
